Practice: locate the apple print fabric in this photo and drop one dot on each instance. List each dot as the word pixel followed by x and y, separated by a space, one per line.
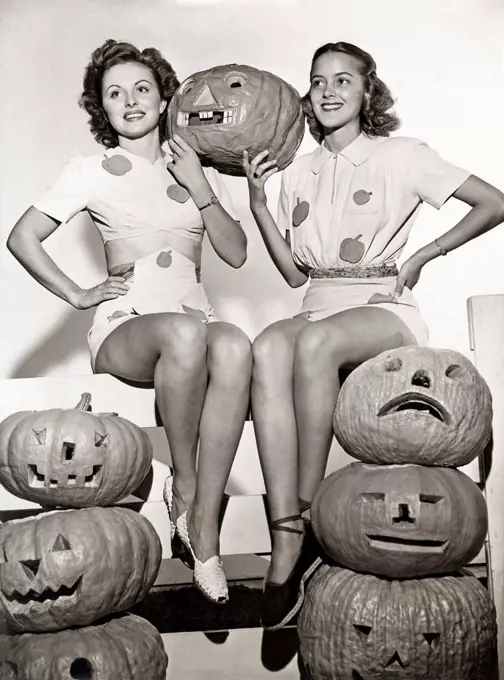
pixel 357 207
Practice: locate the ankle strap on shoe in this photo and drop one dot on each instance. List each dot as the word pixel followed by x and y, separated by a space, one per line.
pixel 277 524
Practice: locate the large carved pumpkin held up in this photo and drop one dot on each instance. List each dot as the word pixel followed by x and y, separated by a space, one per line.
pixel 71 457
pixel 227 109
pixel 361 627
pixel 414 405
pixel 72 567
pixel 126 648
pixel 400 521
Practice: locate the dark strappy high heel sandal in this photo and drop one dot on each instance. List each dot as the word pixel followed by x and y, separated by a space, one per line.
pixel 282 601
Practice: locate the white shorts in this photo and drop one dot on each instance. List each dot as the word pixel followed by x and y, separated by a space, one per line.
pixel 163 281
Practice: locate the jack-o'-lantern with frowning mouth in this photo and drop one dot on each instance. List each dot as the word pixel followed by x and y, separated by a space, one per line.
pixel 72 567
pixel 400 521
pixel 414 405
pixel 227 109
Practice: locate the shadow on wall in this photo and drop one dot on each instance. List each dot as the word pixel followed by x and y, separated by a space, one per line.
pixel 69 337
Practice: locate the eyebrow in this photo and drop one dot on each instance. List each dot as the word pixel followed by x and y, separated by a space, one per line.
pixel 142 80
pixel 341 73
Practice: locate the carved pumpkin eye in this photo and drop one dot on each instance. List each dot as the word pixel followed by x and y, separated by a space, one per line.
pixel 187 86
pixel 40 435
pixel 235 80
pixel 432 639
pixel 393 364
pixel 101 439
pixel 81 669
pixel 454 371
pixel 373 496
pixel 356 675
pixel 8 670
pixel 364 631
pixel 430 498
pixel 3 556
pixel 61 544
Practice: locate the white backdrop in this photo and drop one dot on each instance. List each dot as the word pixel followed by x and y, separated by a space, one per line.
pixel 443 61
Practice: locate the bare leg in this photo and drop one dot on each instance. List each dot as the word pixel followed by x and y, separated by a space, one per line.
pixel 345 340
pixel 224 412
pixel 170 350
pixel 275 429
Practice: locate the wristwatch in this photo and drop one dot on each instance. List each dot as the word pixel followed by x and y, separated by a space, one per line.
pixel 213 201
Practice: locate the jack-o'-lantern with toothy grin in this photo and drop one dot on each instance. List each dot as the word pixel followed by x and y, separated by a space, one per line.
pixel 227 109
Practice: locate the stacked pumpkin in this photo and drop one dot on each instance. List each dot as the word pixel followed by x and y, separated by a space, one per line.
pixel 401 525
pixel 84 563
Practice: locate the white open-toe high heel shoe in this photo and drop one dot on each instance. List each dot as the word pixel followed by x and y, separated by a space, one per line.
pixel 178 548
pixel 209 576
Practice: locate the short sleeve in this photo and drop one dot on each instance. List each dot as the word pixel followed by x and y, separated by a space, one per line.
pixel 67 196
pixel 220 189
pixel 433 178
pixel 283 212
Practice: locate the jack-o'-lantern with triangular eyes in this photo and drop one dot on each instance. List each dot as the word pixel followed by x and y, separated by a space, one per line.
pixel 71 457
pixel 361 627
pixel 400 521
pixel 414 405
pixel 227 109
pixel 72 567
pixel 126 647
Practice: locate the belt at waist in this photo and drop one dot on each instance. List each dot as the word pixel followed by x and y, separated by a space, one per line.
pixel 378 271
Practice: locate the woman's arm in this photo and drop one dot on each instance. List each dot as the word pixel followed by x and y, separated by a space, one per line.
pixel 226 234
pixel 25 243
pixel 487 212
pixel 257 172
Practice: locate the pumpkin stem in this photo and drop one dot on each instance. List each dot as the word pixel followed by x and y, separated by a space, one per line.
pixel 84 403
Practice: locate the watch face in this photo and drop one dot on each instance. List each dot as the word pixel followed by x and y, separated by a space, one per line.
pixel 214 200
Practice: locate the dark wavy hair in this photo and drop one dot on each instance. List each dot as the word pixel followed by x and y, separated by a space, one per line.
pixel 376 117
pixel 114 52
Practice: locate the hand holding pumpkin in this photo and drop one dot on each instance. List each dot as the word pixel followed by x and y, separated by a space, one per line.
pixel 186 166
pixel 111 288
pixel 257 172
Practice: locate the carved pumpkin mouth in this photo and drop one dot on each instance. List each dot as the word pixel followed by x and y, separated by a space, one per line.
pixel 37 480
pixel 417 403
pixel 197 118
pixel 47 595
pixel 397 543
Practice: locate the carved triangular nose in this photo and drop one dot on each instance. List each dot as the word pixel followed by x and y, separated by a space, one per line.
pixel 396 661
pixel 421 379
pixel 30 567
pixel 205 98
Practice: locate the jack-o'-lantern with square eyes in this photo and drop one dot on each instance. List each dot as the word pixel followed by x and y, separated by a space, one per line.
pixel 414 405
pixel 126 647
pixel 71 457
pixel 361 627
pixel 399 521
pixel 72 567
pixel 227 109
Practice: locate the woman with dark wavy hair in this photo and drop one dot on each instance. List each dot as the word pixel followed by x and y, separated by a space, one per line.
pixel 153 321
pixel 346 211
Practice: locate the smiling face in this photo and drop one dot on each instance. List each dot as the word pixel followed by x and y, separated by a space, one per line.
pixel 414 405
pixel 359 627
pixel 50 565
pixel 399 521
pixel 131 100
pixel 222 111
pixel 337 91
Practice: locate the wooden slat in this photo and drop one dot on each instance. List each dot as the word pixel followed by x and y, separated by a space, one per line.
pixel 486 330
